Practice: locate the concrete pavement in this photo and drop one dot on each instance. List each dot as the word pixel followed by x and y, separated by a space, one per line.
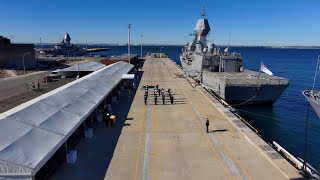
pixel 170 141
pixel 13 86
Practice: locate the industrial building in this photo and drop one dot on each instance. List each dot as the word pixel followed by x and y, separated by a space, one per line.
pixel 134 59
pixel 11 55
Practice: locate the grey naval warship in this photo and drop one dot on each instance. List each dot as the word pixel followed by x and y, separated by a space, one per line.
pixel 66 48
pixel 224 72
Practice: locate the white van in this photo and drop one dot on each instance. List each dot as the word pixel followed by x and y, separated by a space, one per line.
pixel 56 74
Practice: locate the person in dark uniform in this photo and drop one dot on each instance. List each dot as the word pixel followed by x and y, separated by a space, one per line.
pixel 207 125
pixel 171 98
pixel 159 91
pixel 145 99
pixel 157 86
pixel 155 99
pixel 107 120
pixel 163 98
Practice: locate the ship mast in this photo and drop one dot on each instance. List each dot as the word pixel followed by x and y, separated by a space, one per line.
pixel 203 13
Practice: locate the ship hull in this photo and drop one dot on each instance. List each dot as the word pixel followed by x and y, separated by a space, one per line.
pixel 266 95
pixel 245 88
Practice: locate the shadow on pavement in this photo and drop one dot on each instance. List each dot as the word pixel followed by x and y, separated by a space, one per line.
pixel 219 130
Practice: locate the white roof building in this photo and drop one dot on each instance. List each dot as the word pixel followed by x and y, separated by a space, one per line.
pixel 32 132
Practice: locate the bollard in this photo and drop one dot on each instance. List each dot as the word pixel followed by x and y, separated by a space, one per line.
pixel 71 156
pixel 114 99
pixel 88 133
pixel 99 118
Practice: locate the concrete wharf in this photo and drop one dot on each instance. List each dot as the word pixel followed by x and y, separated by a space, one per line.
pixel 171 142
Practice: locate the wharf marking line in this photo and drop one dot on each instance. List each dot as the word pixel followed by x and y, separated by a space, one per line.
pixel 224 156
pixel 219 146
pixel 227 149
pixel 207 137
pixel 248 138
pixel 140 138
pixel 237 162
pixel 147 139
pixel 146 147
pixel 154 146
pixel 139 149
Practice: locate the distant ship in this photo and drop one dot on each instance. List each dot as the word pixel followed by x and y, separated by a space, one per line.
pixel 313 96
pixel 224 72
pixel 65 48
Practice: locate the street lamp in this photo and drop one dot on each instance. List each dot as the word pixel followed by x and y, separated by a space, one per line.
pixel 160 51
pixel 24 67
pixel 141 43
pixel 129 27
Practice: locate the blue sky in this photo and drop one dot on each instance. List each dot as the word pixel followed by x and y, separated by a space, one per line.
pixel 249 22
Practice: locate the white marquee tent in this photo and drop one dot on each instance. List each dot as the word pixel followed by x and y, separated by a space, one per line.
pixel 87 66
pixel 32 132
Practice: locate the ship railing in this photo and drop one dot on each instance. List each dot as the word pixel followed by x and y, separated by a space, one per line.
pixel 257 81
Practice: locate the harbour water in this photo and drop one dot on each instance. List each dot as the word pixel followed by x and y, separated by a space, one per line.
pixel 285 121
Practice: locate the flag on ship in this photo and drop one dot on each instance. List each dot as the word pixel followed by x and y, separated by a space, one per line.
pixel 264 69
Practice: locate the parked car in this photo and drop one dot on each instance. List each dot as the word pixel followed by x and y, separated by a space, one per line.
pixel 47 79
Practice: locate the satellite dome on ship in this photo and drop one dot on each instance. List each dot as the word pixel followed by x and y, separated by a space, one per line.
pixel 67 39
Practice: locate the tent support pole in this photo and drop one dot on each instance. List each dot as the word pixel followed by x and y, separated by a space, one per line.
pixel 66 147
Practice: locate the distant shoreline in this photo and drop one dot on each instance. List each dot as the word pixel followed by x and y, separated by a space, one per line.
pixel 294 47
pixel 175 45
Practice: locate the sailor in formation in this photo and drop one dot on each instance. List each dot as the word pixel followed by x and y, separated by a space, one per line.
pixel 171 97
pixel 163 98
pixel 157 92
pixel 155 99
pixel 145 99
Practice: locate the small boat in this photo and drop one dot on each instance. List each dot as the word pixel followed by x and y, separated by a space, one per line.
pixel 313 96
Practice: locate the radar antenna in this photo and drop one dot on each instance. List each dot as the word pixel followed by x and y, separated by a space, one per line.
pixel 203 13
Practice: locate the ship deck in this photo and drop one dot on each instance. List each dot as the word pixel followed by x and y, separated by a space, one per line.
pixel 170 141
pixel 247 78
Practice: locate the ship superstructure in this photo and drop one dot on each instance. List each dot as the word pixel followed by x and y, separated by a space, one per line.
pixel 224 72
pixel 66 48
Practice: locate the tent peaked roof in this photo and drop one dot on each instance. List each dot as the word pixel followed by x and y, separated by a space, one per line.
pixel 32 132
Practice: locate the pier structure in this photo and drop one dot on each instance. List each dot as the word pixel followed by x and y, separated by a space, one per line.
pixel 170 141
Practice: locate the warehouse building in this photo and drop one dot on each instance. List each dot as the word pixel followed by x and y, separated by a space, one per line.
pixel 11 55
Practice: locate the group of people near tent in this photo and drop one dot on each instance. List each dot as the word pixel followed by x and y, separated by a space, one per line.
pixel 157 92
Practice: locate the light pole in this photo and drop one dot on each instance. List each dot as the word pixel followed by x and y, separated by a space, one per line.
pixel 40 43
pixel 24 67
pixel 141 43
pixel 160 51
pixel 129 27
